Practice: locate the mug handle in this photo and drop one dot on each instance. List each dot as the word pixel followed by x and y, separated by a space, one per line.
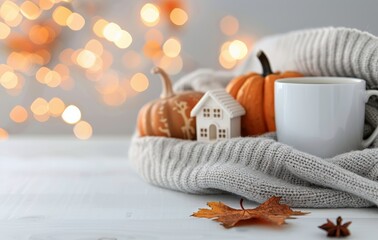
pixel 366 143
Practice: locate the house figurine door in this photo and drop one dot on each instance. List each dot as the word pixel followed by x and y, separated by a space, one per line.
pixel 212 132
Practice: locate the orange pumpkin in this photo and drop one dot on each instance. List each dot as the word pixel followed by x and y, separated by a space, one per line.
pixel 255 93
pixel 169 116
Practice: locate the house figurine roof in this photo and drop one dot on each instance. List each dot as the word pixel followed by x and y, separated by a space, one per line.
pixel 225 101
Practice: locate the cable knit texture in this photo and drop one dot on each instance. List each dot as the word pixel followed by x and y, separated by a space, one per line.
pixel 257 168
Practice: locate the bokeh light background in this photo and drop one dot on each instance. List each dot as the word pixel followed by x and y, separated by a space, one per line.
pixel 81 67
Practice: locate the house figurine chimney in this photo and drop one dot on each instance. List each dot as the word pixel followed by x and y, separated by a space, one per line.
pixel 218 116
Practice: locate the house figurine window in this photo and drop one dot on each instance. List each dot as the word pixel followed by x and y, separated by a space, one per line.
pixel 221 133
pixel 204 132
pixel 216 113
pixel 206 112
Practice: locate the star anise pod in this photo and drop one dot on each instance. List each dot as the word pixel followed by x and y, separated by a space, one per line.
pixel 338 230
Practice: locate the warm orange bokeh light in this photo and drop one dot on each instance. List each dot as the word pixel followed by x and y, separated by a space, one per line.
pixel 61 14
pixel 95 46
pixel 53 79
pixel 42 118
pixel 49 77
pixel 225 63
pixel 71 114
pixel 41 74
pixel 113 33
pixel 238 49
pixel 18 88
pixel 15 22
pixel 225 58
pixel 20 61
pixel 178 16
pixel 44 56
pixel 152 49
pixel 99 26
pixel 171 65
pixel 18 114
pixel 9 11
pixel 83 130
pixel 9 80
pixel 3 134
pixel 229 25
pixel 150 14
pixel 4 68
pixel 39 34
pixel 172 47
pixel 110 31
pixel 30 10
pixel 75 21
pixel 39 106
pixel 86 58
pixel 139 82
pixel 123 39
pixel 4 30
pixel 46 4
pixel 56 107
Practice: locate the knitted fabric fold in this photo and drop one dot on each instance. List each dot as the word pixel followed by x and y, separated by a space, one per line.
pixel 257 168
pixel 321 52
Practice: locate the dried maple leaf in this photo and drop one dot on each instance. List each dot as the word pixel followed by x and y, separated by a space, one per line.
pixel 338 230
pixel 270 212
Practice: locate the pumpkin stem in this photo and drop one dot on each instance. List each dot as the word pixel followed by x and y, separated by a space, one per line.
pixel 264 63
pixel 167 83
pixel 241 203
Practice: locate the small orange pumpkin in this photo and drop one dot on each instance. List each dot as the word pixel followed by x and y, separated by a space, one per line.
pixel 169 116
pixel 255 93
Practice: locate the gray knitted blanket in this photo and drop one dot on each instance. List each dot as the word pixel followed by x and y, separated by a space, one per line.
pixel 257 168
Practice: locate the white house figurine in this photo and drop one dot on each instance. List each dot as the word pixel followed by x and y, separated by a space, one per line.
pixel 218 116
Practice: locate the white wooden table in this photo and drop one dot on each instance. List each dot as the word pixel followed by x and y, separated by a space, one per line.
pixel 65 189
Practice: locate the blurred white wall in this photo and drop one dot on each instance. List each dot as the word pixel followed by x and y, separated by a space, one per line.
pixel 201 39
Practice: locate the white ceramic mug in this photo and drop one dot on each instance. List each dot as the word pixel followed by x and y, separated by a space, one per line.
pixel 323 116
